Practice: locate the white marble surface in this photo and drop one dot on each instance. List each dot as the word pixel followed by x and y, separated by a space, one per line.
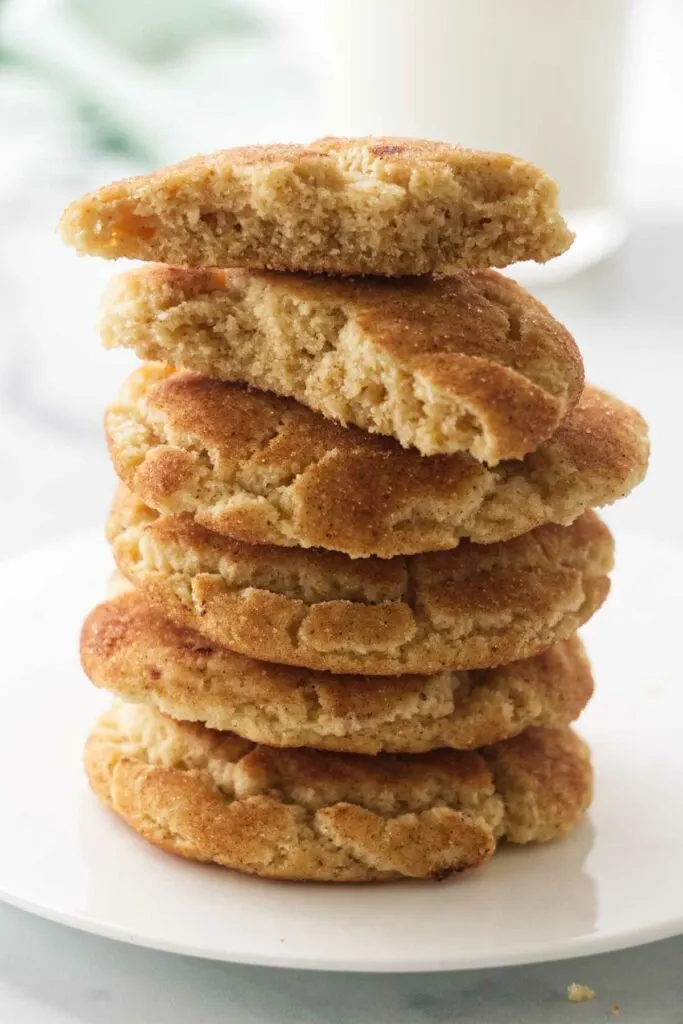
pixel 50 975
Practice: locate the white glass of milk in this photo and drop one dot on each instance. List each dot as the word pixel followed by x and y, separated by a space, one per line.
pixel 537 78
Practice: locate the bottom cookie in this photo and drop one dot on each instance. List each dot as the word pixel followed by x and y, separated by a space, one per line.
pixel 313 815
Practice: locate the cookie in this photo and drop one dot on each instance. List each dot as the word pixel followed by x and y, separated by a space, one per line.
pixel 339 206
pixel 474 607
pixel 466 363
pixel 312 815
pixel 266 470
pixel 129 648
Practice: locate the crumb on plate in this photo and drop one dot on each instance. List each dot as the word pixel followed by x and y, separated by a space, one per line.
pixel 579 993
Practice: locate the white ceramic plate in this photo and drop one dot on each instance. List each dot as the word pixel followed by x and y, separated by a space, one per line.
pixel 616 881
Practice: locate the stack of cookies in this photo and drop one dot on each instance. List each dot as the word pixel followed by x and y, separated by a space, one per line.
pixel 354 533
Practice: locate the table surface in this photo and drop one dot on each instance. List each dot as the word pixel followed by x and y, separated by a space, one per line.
pixel 52 975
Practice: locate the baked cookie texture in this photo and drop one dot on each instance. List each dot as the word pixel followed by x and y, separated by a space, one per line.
pixel 342 633
pixel 474 607
pixel 266 470
pixel 387 206
pixel 129 648
pixel 466 363
pixel 312 815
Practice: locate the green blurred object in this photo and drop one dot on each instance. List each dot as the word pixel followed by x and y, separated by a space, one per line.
pixel 156 31
pixel 154 80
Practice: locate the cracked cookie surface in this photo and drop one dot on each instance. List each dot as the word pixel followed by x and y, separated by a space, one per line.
pixel 466 363
pixel 474 607
pixel 129 648
pixel 310 815
pixel 377 205
pixel 266 470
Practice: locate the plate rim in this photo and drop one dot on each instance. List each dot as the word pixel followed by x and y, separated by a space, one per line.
pixel 592 945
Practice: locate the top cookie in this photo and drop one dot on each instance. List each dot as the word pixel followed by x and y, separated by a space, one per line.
pixel 386 206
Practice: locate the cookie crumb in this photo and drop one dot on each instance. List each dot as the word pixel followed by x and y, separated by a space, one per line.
pixel 579 993
pixel 615 1010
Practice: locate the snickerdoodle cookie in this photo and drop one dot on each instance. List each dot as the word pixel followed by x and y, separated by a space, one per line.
pixel 129 648
pixel 466 363
pixel 305 814
pixel 474 607
pixel 266 470
pixel 339 206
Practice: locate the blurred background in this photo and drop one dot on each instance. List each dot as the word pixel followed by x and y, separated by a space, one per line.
pixel 92 90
